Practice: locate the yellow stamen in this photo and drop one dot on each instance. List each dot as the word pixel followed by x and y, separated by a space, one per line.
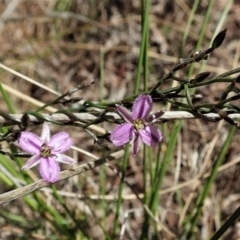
pixel 45 150
pixel 139 124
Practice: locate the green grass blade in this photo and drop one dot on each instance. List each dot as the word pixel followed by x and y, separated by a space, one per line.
pixel 153 203
pixel 202 32
pixel 120 190
pixel 145 57
pixel 229 223
pixel 7 99
pixel 200 201
pixel 142 47
pixel 189 23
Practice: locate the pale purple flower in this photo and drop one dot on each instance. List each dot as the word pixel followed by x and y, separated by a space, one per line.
pixel 138 125
pixel 47 152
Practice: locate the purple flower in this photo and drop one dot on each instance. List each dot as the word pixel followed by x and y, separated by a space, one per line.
pixel 138 125
pixel 46 151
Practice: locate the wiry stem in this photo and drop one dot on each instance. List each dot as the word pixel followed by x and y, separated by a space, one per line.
pixel 19 192
pixel 85 117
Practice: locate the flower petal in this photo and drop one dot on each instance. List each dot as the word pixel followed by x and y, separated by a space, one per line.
pixel 136 144
pixel 122 134
pixel 45 136
pixel 151 135
pixel 127 116
pixel 64 159
pixel 142 107
pixel 30 142
pixel 60 142
pixel 49 169
pixel 32 162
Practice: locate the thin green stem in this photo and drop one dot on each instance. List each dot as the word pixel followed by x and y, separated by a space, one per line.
pixel 101 74
pixel 120 191
pixel 7 99
pixel 229 223
pixel 202 32
pixel 145 59
pixel 145 174
pixel 189 23
pixel 200 201
pixel 142 47
pixel 188 97
pixel 103 192
pixel 70 213
pixel 153 203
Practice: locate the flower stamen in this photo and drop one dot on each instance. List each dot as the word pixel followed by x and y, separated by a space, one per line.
pixel 45 150
pixel 139 124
